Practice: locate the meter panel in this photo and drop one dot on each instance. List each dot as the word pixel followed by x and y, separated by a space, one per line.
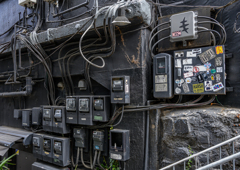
pixel 200 71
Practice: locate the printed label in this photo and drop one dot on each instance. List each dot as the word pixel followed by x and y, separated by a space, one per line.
pixel 188 74
pixel 207 55
pixel 83 119
pixel 198 88
pixel 98 118
pixel 190 54
pixel 126 88
pixel 199 68
pixel 218 77
pixel 161 79
pixel 185 87
pixel 115 156
pixel 197 51
pixel 219 69
pixel 188 68
pixel 187 61
pixel 161 87
pixel 178 90
pixel 178 63
pixel 219 50
pixel 176 34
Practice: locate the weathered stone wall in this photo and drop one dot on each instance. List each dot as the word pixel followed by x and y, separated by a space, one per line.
pixel 199 129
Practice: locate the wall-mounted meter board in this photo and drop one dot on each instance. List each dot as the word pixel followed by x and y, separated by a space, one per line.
pixel 200 71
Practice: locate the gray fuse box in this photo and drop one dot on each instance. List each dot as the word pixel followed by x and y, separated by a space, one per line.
pixel 37 145
pixel 59 120
pixel 162 76
pixel 61 151
pixel 81 138
pixel 27 118
pixel 47 118
pixel 37 116
pixel 47 152
pixel 101 108
pixel 200 71
pixel 71 108
pixel 85 110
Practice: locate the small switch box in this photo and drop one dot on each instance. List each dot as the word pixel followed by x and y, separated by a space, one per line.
pixel 17 113
pixel 120 89
pixel 27 118
pixel 47 118
pixel 81 138
pixel 37 145
pixel 71 107
pixel 47 152
pixel 98 140
pixel 85 111
pixel 37 116
pixel 59 121
pixel 61 151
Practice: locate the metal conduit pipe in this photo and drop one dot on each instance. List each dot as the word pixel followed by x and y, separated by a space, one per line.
pixel 27 92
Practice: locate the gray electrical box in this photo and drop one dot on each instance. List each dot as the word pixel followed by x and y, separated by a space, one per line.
pixel 120 144
pixel 37 116
pixel 162 76
pixel 101 108
pixel 47 118
pixel 47 152
pixel 85 110
pixel 71 108
pixel 61 151
pixel 59 120
pixel 200 71
pixel 37 145
pixel 81 138
pixel 98 140
pixel 183 26
pixel 17 113
pixel 120 89
pixel 27 118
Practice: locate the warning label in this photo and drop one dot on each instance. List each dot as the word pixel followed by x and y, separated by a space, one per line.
pixel 198 88
pixel 161 87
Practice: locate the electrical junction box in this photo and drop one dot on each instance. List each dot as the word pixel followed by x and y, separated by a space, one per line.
pixel 81 138
pixel 101 108
pixel 85 110
pixel 59 120
pixel 17 113
pixel 162 76
pixel 26 118
pixel 119 144
pixel 98 140
pixel 47 118
pixel 200 71
pixel 28 3
pixel 120 89
pixel 71 108
pixel 37 145
pixel 47 152
pixel 37 116
pixel 61 151
pixel 45 166
pixel 183 26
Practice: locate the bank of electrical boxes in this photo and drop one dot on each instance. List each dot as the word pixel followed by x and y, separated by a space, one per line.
pixel 54 119
pixel 200 71
pixel 120 89
pixel 87 109
pixel 162 76
pixel 52 149
pixel 120 144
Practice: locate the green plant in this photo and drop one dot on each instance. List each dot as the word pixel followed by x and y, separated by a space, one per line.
pixel 189 163
pixel 5 161
pixel 114 165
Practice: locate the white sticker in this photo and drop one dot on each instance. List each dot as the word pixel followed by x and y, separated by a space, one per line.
pixel 208 85
pixel 161 79
pixel 179 54
pixel 197 51
pixel 199 68
pixel 187 61
pixel 190 54
pixel 188 74
pixel 178 63
pixel 185 87
pixel 126 88
pixel 218 77
pixel 83 119
pixel 188 80
pixel 116 156
pixel 219 69
pixel 161 87
pixel 217 87
pixel 178 90
pixel 188 68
